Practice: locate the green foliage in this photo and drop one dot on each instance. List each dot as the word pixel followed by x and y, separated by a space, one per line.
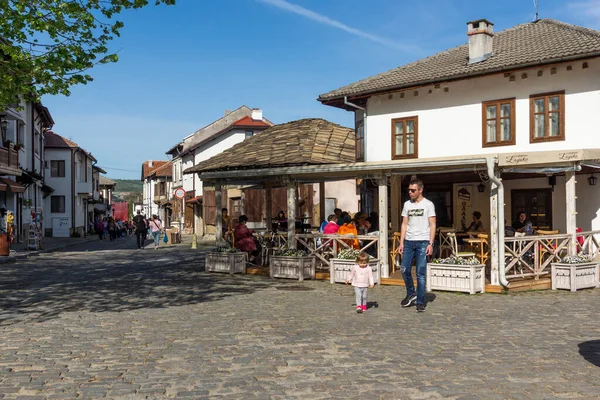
pixel 455 260
pixel 285 252
pixel 348 254
pixel 128 185
pixel 225 249
pixel 580 258
pixel 47 46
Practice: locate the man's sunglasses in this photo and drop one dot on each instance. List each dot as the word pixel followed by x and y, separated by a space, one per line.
pixel 412 190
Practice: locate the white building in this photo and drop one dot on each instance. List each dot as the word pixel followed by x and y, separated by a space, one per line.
pixel 524 97
pixel 69 173
pixel 156 177
pixel 234 127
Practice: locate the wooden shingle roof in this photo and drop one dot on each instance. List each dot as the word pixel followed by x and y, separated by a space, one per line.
pixel 303 142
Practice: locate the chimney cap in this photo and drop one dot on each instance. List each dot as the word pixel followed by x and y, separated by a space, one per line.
pixel 477 21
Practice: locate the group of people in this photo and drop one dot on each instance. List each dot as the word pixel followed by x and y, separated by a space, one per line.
pixel 142 226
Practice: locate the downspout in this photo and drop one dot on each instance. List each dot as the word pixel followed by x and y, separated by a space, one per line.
pixel 364 110
pixel 500 222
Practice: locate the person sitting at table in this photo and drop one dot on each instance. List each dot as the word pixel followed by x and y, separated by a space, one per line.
pixel 282 222
pixel 476 225
pixel 244 239
pixel 349 227
pixel 522 225
pixel 361 222
pixel 226 224
pixel 332 227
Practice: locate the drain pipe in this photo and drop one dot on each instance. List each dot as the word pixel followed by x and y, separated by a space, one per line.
pixel 364 110
pixel 500 223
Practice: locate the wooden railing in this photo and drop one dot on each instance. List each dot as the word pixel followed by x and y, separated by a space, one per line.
pixel 325 247
pixel 533 255
pixel 9 157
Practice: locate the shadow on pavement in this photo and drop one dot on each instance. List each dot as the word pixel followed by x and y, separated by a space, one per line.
pixel 41 288
pixel 590 351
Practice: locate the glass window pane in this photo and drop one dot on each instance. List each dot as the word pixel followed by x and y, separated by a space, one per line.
pixel 410 126
pixel 490 112
pixel 539 105
pixel 491 131
pixel 505 129
pixel 410 144
pixel 554 103
pixel 505 111
pixel 539 126
pixel 554 124
pixel 399 128
pixel 399 147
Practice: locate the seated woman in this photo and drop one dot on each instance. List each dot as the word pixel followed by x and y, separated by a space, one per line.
pixel 522 224
pixel 349 227
pixel 244 240
pixel 282 222
pixel 476 225
pixel 332 227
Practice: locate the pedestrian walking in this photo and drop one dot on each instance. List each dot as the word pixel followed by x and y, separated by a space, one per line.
pixel 156 228
pixel 416 242
pixel 99 228
pixel 112 229
pixel 141 226
pixel 361 276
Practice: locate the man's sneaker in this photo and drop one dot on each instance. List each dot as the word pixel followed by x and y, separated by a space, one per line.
pixel 408 301
pixel 420 307
pixel 359 309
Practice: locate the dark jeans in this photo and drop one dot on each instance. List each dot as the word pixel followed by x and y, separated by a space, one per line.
pixel 141 238
pixel 112 235
pixel 100 234
pixel 415 250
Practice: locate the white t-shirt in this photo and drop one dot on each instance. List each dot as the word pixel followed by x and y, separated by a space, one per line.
pixel 418 219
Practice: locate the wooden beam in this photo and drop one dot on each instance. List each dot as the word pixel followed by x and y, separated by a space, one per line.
pixel 292 206
pixel 322 216
pixel 395 200
pixel 494 239
pixel 571 210
pixel 268 206
pixel 219 206
pixel 383 227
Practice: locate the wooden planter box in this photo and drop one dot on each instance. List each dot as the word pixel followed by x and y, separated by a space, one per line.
pixel 226 262
pixel 292 267
pixel 340 269
pixel 575 276
pixel 456 278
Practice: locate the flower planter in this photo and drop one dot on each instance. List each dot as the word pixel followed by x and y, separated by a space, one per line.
pixel 340 269
pixel 226 262
pixel 456 278
pixel 575 276
pixel 292 267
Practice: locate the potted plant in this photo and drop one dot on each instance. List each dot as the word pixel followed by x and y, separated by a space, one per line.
pixel 18 146
pixel 292 263
pixel 456 274
pixel 27 202
pixel 340 266
pixel 226 259
pixel 575 272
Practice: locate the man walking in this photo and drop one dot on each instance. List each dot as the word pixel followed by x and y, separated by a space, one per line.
pixel 416 242
pixel 141 228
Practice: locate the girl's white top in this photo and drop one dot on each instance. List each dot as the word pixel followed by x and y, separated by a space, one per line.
pixel 361 277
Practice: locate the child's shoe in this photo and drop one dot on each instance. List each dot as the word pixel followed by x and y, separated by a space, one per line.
pixel 364 307
pixel 359 309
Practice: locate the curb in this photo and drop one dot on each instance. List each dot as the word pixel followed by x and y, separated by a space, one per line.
pixel 26 254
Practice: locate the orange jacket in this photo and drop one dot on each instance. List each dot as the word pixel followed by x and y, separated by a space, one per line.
pixel 349 229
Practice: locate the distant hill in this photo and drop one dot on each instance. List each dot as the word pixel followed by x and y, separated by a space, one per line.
pixel 129 185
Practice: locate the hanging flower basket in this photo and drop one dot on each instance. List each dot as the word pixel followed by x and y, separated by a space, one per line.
pixel 575 272
pixel 456 274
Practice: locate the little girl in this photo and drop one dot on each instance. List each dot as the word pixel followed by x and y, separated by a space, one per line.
pixel 361 277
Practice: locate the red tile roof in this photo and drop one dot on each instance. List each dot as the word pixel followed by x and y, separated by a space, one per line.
pixel 248 121
pixel 163 170
pixel 55 140
pixel 147 169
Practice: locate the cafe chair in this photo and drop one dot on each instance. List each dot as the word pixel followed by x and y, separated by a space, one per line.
pixel 394 255
pixel 444 241
pixel 454 244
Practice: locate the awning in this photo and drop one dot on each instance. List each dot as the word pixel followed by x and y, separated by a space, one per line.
pixel 47 190
pixel 30 177
pixel 12 185
pixel 195 200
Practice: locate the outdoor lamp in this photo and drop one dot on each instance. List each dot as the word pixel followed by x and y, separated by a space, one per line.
pixel 481 188
pixel 3 127
pixel 592 180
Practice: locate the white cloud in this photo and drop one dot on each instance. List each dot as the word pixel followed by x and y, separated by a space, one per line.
pixel 322 19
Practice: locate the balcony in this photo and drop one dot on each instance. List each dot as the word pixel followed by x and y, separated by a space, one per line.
pixel 160 197
pixel 9 161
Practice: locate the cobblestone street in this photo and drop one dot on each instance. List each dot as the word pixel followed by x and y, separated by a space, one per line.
pixel 104 320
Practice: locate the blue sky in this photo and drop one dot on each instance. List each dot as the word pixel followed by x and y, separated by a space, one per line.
pixel 180 67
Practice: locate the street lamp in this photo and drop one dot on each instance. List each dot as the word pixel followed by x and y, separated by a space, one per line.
pixel 3 127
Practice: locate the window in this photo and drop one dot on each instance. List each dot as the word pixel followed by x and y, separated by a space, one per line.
pixel 536 203
pixel 249 134
pixel 547 117
pixel 360 141
pixel 57 204
pixel 405 137
pixel 499 123
pixel 57 168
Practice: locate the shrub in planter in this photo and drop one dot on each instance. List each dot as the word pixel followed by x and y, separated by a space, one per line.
pixel 293 264
pixel 341 265
pixel 226 259
pixel 456 274
pixel 575 272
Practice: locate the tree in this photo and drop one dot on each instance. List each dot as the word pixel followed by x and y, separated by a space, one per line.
pixel 47 46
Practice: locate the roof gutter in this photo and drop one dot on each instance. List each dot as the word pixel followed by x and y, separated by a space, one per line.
pixel 491 163
pixel 459 77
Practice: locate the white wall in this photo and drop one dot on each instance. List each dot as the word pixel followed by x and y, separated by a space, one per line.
pixel 61 186
pixel 187 161
pixel 454 119
pixel 344 193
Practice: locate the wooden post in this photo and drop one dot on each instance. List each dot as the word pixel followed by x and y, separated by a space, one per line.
pixel 268 206
pixel 383 227
pixel 395 202
pixel 219 221
pixel 571 211
pixel 292 206
pixel 323 216
pixel 243 202
pixel 494 260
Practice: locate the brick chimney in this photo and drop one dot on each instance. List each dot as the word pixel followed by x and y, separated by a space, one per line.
pixel 257 114
pixel 481 40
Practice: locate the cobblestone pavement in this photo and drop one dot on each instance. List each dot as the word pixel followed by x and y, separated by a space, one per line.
pixel 127 324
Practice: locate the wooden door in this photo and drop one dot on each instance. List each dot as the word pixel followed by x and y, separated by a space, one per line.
pixel 537 204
